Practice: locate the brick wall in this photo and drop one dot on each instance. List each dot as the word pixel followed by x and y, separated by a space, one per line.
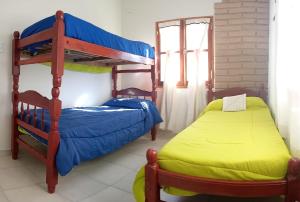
pixel 241 43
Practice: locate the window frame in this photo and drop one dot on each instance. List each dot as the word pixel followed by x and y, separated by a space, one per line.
pixel 183 83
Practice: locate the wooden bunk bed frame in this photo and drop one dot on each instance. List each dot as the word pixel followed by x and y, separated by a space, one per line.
pixel 156 178
pixel 60 49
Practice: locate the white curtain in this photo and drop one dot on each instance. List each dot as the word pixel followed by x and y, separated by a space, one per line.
pixel 181 106
pixel 284 80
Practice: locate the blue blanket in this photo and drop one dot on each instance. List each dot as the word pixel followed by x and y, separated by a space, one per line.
pixel 85 31
pixel 90 132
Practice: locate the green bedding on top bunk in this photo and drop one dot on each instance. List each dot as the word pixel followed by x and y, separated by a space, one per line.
pixel 243 145
pixel 84 68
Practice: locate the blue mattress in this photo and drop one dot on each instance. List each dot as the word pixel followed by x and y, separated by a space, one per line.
pixel 90 132
pixel 85 31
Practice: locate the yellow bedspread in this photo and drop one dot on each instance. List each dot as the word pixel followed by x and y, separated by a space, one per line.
pixel 241 145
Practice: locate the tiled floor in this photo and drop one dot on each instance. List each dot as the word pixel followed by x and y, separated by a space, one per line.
pixel 106 179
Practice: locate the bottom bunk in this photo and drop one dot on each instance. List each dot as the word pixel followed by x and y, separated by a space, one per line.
pixel 90 132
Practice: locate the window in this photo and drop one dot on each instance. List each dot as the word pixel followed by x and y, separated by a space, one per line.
pixel 181 38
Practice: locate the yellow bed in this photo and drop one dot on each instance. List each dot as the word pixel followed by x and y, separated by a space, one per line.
pixel 241 145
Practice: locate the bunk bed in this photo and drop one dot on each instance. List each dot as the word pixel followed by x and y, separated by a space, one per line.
pixel 73 135
pixel 259 166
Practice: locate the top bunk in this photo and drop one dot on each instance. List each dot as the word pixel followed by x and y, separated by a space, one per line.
pixel 82 42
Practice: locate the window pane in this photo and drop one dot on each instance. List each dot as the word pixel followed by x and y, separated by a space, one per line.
pixel 197 66
pixel 169 38
pixel 196 36
pixel 170 65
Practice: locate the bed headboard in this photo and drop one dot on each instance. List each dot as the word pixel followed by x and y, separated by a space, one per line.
pixel 134 92
pixel 212 95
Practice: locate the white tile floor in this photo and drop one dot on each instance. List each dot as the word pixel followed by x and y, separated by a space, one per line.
pixel 106 179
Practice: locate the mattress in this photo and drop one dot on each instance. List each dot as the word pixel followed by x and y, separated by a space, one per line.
pixel 241 145
pixel 85 31
pixel 90 132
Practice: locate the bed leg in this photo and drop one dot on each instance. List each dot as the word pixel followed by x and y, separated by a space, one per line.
pixel 293 179
pixel 51 188
pixel 51 177
pixel 14 137
pixel 153 133
pixel 152 189
pixel 53 142
pixel 14 143
pixel 51 172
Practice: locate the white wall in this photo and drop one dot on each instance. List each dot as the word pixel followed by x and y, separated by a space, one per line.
pixel 272 55
pixel 284 85
pixel 77 87
pixel 139 17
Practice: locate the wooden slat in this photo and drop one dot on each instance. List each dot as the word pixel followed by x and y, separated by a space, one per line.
pixel 34 117
pixel 90 59
pixel 70 54
pixel 96 50
pixel 118 63
pixel 32 129
pixel 22 111
pixel 43 120
pixel 36 59
pixel 222 187
pixel 32 151
pixel 133 70
pixel 41 36
pixel 27 114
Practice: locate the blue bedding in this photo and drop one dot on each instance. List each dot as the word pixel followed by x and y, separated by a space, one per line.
pixel 85 31
pixel 90 132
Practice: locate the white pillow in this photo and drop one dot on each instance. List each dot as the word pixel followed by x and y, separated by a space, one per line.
pixel 234 103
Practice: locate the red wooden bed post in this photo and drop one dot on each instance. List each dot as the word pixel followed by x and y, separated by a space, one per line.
pixel 114 78
pixel 15 95
pixel 153 133
pixel 152 189
pixel 293 181
pixel 154 129
pixel 57 70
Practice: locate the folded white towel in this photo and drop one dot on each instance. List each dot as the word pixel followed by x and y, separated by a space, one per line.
pixel 234 103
